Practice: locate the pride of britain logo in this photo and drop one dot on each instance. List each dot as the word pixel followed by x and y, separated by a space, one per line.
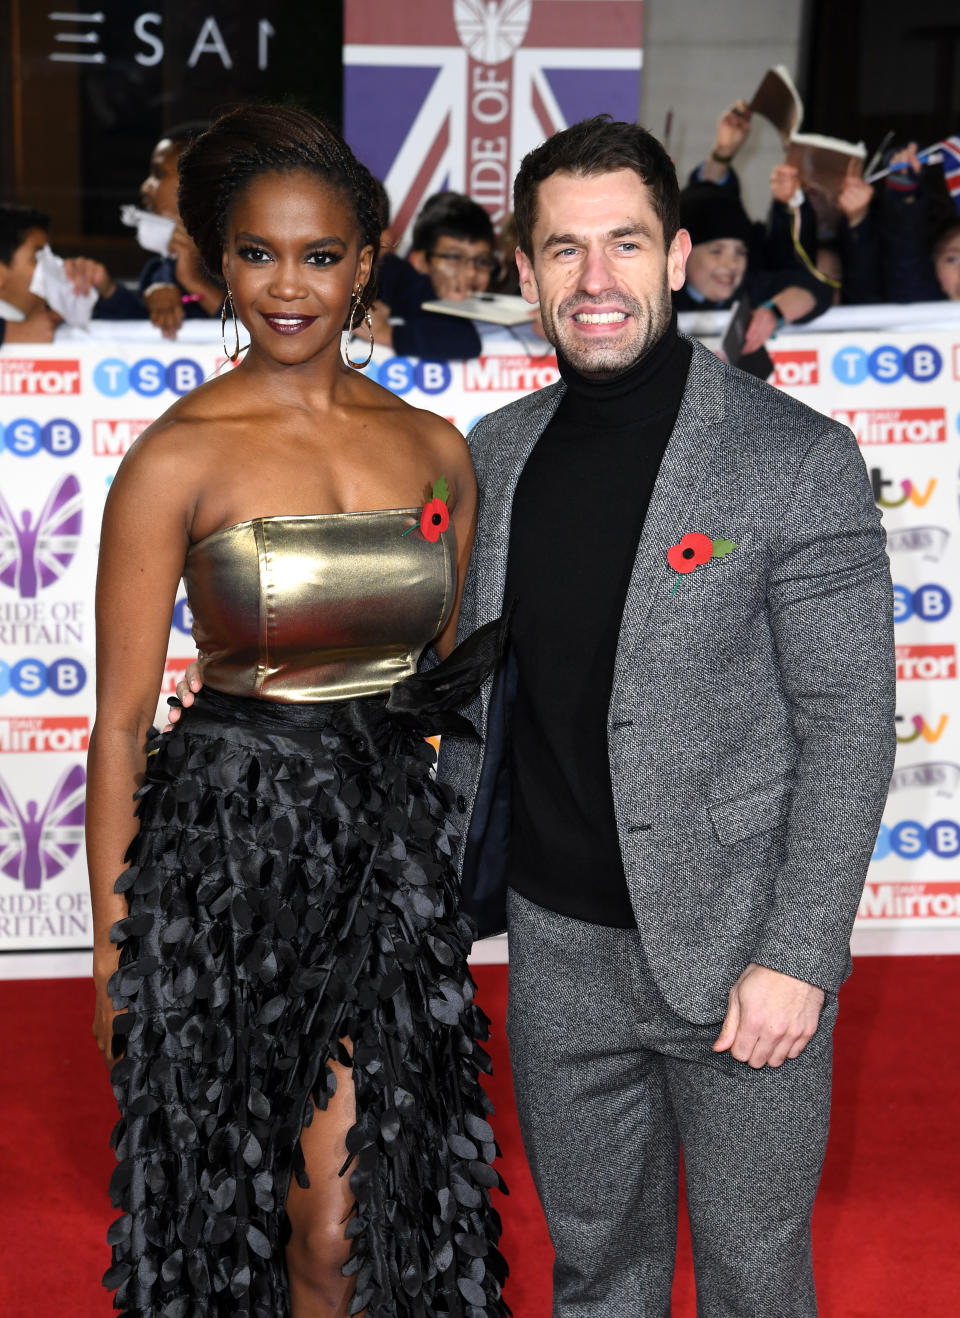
pixel 36 551
pixel 37 844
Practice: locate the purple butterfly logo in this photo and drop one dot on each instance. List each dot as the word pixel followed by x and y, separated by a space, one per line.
pixel 36 845
pixel 34 554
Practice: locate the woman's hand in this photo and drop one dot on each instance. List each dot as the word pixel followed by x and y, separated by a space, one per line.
pixel 187 687
pixel 104 1012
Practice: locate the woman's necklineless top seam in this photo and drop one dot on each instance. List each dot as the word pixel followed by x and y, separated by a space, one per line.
pixel 412 511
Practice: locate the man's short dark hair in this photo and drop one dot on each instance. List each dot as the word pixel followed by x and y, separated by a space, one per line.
pixel 450 215
pixel 15 223
pixel 598 146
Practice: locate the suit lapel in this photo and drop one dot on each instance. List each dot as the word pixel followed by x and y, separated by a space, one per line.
pixel 672 511
pixel 501 472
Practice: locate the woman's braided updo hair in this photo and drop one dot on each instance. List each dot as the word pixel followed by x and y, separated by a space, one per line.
pixel 267 139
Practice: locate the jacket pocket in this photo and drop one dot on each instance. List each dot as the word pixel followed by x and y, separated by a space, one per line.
pixel 754 812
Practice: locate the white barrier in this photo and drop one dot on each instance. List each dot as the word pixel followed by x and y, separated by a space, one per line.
pixel 69 410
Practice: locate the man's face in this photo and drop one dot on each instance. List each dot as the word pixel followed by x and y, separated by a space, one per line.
pixel 716 269
pixel 947 266
pixel 599 269
pixel 457 267
pixel 15 278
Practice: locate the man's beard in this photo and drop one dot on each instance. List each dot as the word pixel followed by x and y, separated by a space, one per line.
pixel 649 323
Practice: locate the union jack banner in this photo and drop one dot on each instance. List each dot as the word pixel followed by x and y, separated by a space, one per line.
pixel 949 150
pixel 453 93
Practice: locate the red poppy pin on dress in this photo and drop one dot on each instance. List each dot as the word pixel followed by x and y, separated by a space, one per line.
pixel 694 550
pixel 435 515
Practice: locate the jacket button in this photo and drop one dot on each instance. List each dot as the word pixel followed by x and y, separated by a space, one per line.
pixel 462 803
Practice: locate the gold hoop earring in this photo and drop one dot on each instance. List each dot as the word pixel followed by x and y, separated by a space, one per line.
pixel 356 306
pixel 231 356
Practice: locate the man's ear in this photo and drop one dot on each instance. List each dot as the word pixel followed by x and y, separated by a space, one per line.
pixel 528 280
pixel 419 262
pixel 4 276
pixel 677 254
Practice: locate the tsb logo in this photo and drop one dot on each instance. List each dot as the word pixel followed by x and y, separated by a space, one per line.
pixel 24 438
pixel 887 364
pixel 929 603
pixel 795 368
pixel 31 677
pixel 146 377
pixel 910 840
pixel 400 375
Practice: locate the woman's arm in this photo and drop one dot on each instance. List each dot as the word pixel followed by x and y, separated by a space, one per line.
pixel 143 544
pixel 458 469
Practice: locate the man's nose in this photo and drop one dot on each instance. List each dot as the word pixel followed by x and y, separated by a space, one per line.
pixel 596 275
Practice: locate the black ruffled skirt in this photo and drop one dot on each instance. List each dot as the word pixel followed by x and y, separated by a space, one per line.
pixel 292 886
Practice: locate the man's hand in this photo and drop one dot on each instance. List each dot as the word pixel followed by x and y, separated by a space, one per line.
pixel 85 274
pixel 165 308
pixel 771 1017
pixel 187 687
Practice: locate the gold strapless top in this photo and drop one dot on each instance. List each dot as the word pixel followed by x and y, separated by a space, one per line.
pixel 327 607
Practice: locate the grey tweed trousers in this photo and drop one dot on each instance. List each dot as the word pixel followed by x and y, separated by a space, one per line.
pixel 610 1084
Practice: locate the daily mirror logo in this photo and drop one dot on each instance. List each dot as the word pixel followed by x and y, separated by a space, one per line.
pixel 895 425
pixel 509 374
pixel 929 663
pixel 69 733
pixel 26 377
pixel 790 369
pixel 112 438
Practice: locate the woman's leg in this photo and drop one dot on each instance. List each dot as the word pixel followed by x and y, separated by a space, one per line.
pixel 318 1248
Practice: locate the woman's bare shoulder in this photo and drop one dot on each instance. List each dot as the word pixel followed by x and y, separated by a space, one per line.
pixel 191 430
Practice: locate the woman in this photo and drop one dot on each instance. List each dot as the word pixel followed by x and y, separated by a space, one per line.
pixel 302 1127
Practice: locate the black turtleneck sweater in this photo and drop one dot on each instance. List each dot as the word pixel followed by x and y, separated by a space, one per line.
pixel 578 512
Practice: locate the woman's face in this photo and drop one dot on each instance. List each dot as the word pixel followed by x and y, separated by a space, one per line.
pixel 292 261
pixel 717 268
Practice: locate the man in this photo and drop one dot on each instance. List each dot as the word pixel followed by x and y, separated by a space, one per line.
pixel 686 757
pixel 452 256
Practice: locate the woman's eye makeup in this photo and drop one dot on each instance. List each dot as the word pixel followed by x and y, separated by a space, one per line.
pixel 320 256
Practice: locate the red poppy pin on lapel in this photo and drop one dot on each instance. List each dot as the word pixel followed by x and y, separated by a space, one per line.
pixel 435 515
pixel 694 550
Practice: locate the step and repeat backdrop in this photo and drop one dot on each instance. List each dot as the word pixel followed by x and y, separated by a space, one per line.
pixel 69 411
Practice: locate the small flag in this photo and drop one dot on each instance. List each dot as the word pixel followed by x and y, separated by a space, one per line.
pixel 950 152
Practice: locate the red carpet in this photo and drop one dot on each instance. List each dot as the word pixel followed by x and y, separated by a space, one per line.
pixel 887 1221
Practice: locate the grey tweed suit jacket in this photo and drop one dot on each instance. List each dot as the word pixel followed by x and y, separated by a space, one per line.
pixel 751 716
